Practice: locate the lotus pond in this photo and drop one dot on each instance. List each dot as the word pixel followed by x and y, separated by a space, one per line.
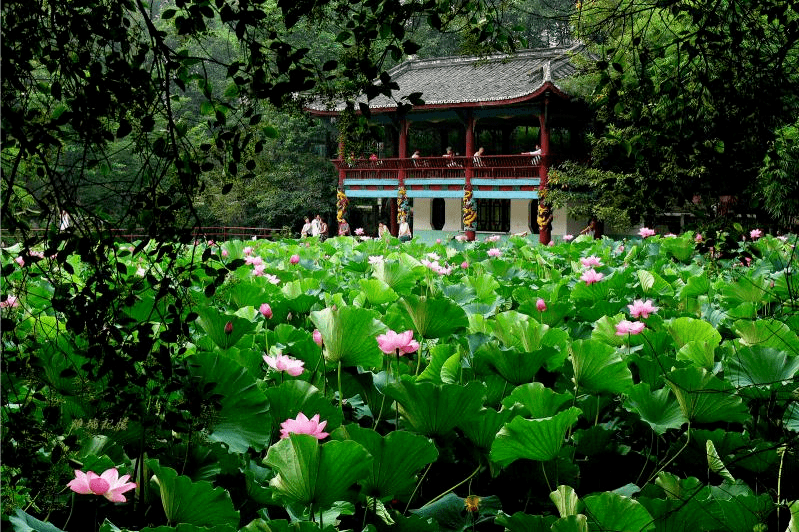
pixel 368 385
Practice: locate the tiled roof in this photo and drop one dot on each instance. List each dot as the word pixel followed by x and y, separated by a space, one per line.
pixel 460 81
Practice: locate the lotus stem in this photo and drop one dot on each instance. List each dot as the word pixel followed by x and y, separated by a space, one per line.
pixel 467 479
pixel 340 394
pixel 417 487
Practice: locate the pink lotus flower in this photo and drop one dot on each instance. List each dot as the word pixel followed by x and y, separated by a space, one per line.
pixel 567 238
pixel 303 425
pixel 317 337
pixel 438 240
pixel 464 265
pixel 110 485
pixel 255 261
pixel 20 261
pixel 641 308
pixel 698 237
pixel 591 276
pixel 266 311
pixel 492 238
pixel 290 365
pixel 247 251
pixel 225 253
pixel 359 231
pixel 391 342
pixel 229 327
pixel 9 302
pixel 460 238
pixel 541 305
pixel 258 270
pixel 294 259
pixel 272 278
pixel 646 232
pixel 629 327
pixel 433 256
pixel 593 260
pixel 551 244
pixel 376 259
pixel 494 252
pixel 755 234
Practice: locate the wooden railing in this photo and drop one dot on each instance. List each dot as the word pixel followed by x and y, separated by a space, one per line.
pixel 217 233
pixel 485 167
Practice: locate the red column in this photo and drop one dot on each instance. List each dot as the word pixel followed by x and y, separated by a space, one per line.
pixel 468 201
pixel 403 153
pixel 341 173
pixel 544 210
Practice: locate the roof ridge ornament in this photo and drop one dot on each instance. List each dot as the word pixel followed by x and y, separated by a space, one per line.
pixel 546 71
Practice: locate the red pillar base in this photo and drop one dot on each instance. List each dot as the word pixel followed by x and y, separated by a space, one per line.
pixel 545 236
pixel 470 236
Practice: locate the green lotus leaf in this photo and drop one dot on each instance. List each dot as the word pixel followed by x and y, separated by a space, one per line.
pixel 377 292
pixel 298 343
pixel 24 522
pixel 522 522
pixel 248 293
pixel 295 396
pixel 759 367
pixel 180 527
pixel 746 290
pixel 571 523
pixel 482 430
pixel 435 409
pixel 657 409
pixel 319 475
pixel 600 310
pixel 681 248
pixel 611 511
pixel 687 329
pixel 242 421
pixel 701 353
pixel 515 366
pixel 434 317
pixel 451 514
pixel 535 439
pixel 194 503
pixel 791 418
pixel 768 333
pixel 653 284
pixel 598 367
pixel 515 329
pixel 485 287
pixel 461 294
pixel 301 295
pixel 591 293
pixel 697 285
pixel 213 323
pixel 536 400
pixel 566 500
pixel 282 525
pixel 400 275
pixel 397 458
pixel 439 354
pixel 704 398
pixel 715 463
pixel 350 336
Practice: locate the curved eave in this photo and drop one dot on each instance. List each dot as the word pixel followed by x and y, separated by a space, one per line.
pixel 545 87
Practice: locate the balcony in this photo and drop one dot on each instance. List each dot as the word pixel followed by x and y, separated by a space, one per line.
pixel 492 176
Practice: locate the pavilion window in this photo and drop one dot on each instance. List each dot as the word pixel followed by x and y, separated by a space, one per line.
pixel 493 215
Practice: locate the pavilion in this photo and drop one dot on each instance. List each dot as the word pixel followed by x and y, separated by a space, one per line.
pixel 469 102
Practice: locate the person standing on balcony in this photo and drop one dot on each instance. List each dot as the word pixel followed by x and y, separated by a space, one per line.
pixel 477 157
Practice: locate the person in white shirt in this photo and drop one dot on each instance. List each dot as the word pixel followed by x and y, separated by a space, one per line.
pixel 315 223
pixel 306 228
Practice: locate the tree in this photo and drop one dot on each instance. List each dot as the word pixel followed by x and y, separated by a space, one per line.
pixel 688 95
